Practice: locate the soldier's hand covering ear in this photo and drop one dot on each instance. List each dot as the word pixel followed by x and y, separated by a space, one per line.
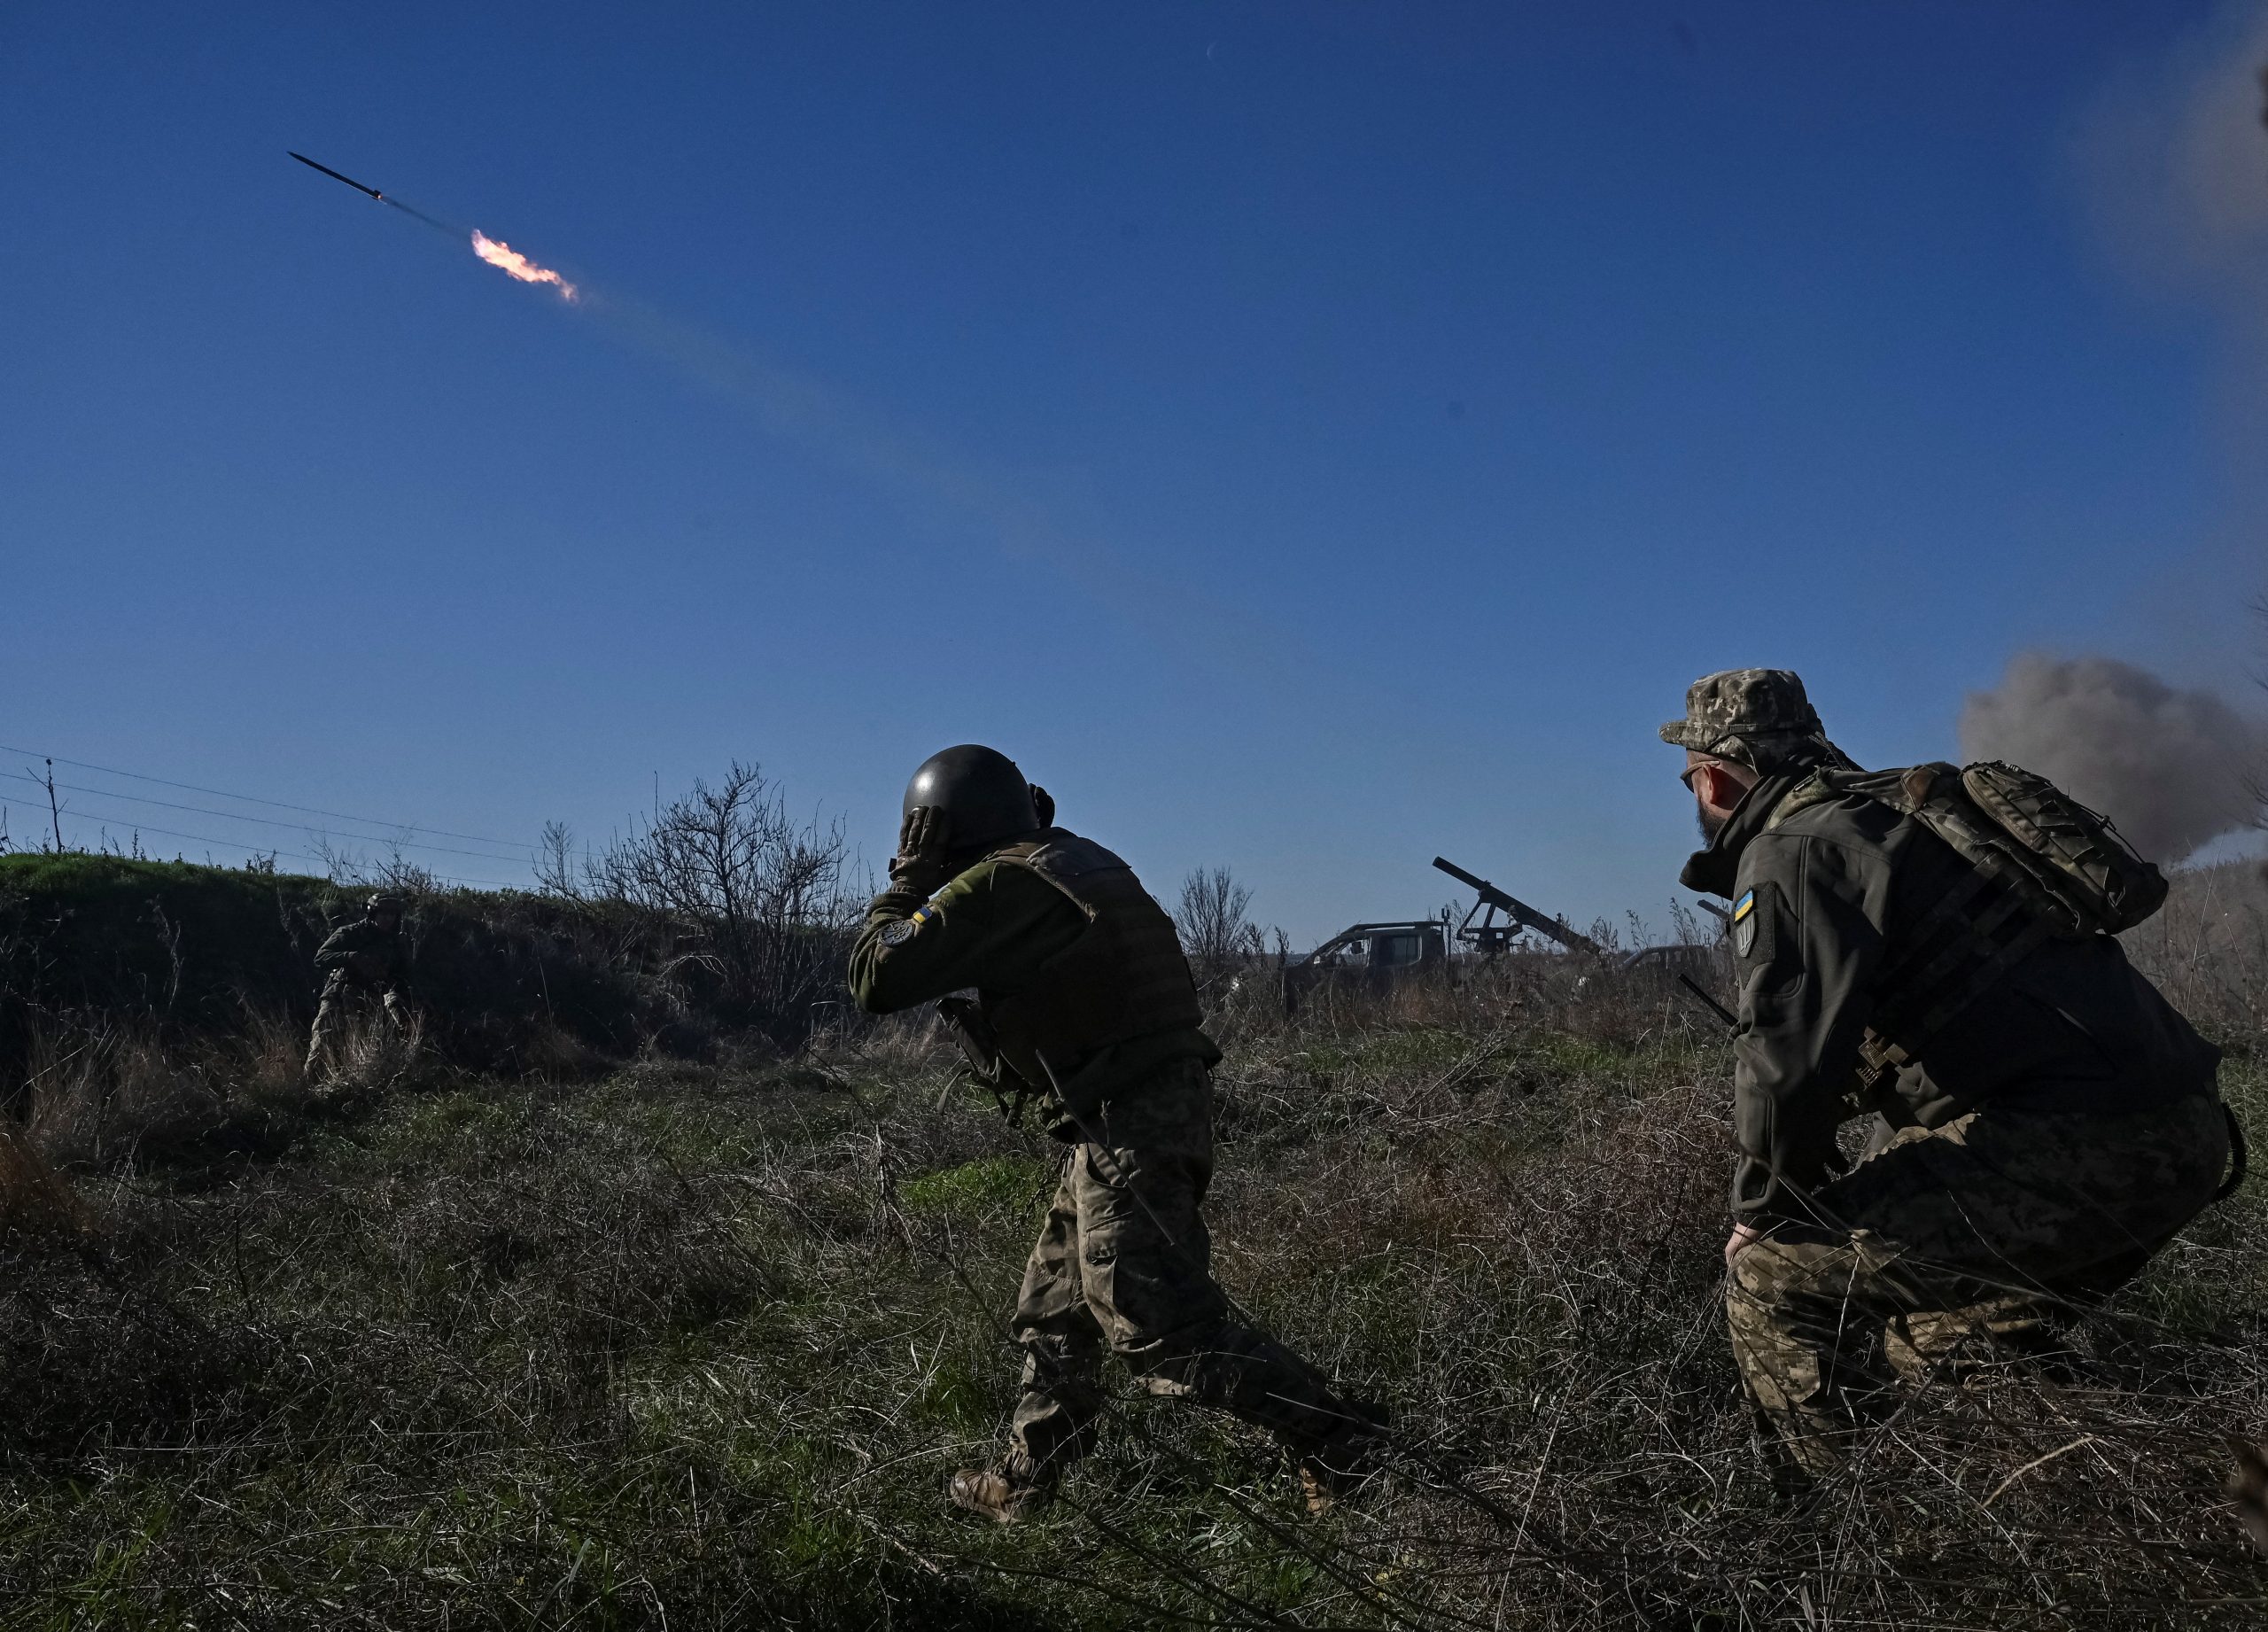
pixel 1043 802
pixel 919 867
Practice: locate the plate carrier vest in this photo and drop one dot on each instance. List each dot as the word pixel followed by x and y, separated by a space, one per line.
pixel 1124 978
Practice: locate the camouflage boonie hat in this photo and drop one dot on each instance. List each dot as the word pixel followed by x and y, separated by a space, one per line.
pixel 383 901
pixel 1758 718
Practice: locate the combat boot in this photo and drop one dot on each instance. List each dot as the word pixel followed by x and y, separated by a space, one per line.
pixel 1005 1493
pixel 1343 1462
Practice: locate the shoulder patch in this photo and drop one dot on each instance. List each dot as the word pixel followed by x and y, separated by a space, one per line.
pixel 1755 923
pixel 898 931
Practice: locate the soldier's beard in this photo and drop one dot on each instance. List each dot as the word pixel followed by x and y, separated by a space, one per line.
pixel 1710 825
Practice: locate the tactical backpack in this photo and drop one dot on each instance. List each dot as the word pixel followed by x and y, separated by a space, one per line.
pixel 2041 866
pixel 2067 865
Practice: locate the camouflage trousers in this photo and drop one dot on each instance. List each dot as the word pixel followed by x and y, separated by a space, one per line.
pixel 1124 1264
pixel 1955 1249
pixel 344 1001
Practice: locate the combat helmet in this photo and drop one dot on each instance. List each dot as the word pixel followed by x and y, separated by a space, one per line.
pixel 984 797
pixel 384 902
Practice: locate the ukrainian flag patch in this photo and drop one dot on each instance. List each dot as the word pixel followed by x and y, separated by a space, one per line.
pixel 1744 925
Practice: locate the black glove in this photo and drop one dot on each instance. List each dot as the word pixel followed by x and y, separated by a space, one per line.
pixel 919 867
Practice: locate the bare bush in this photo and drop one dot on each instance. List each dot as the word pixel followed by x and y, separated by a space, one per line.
pixel 393 871
pixel 558 870
pixel 1216 932
pixel 738 893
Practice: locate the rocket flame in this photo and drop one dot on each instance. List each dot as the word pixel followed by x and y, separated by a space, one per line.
pixel 517 265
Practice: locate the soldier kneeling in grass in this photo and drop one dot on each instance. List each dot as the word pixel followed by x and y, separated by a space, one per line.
pixel 364 965
pixel 1934 948
pixel 1085 1003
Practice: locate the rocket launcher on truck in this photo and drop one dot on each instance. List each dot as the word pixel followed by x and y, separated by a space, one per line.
pixel 1490 937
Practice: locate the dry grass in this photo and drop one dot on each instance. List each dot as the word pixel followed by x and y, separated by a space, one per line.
pixel 36 1202
pixel 694 1345
pixel 377 1056
pixel 2207 948
pixel 96 1100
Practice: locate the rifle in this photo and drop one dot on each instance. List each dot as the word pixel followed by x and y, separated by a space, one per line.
pixel 980 1055
pixel 1491 935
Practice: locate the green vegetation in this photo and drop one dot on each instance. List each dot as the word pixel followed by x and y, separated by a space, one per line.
pixel 1009 1187
pixel 700 1342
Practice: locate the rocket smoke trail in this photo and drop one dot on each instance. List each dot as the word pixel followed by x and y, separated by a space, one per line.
pixel 1193 627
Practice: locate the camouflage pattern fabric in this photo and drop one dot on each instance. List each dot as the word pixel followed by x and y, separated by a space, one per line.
pixel 360 963
pixel 1758 718
pixel 364 953
pixel 1958 1249
pixel 344 1001
pixel 1124 1264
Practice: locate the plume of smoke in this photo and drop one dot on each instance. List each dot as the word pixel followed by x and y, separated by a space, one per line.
pixel 2171 167
pixel 2177 164
pixel 2169 766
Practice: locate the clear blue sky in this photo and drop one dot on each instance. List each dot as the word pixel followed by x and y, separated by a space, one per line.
pixel 1308 436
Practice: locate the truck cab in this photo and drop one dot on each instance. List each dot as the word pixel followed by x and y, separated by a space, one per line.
pixel 1372 956
pixel 1382 948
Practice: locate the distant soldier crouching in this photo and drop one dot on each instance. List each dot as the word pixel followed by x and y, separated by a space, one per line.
pixel 1934 948
pixel 1084 1001
pixel 360 962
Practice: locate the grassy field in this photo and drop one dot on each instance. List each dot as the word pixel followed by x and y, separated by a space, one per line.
pixel 696 1345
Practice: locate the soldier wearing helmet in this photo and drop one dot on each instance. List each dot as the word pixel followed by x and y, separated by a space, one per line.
pixel 2043 1120
pixel 364 964
pixel 1085 1003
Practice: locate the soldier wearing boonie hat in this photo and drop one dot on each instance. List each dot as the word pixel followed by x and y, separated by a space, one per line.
pixel 2021 1166
pixel 1758 718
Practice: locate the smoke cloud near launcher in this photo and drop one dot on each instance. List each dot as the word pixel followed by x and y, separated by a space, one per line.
pixel 2174 768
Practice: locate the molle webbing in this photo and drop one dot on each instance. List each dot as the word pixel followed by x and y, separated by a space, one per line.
pixel 1975 933
pixel 1988 920
pixel 1124 978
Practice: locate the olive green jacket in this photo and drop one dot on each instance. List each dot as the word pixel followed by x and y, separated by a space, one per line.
pixel 991 930
pixel 1825 902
